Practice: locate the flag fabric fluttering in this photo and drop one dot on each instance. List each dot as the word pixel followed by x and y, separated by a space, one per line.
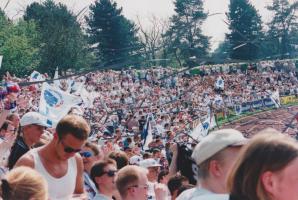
pixel 220 83
pixel 203 128
pixel 55 103
pixel 56 76
pixel 275 98
pixel 36 76
pixel 147 135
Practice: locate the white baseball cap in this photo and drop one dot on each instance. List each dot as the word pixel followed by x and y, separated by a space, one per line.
pixel 135 160
pixel 34 118
pixel 150 162
pixel 215 142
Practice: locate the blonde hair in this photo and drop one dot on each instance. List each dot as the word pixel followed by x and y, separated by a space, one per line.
pixel 265 152
pixel 128 175
pixel 23 183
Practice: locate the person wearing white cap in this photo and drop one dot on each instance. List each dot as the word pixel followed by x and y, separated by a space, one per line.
pixel 32 127
pixel 214 156
pixel 156 190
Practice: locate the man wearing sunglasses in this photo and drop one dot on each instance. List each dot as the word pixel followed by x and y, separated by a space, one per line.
pixel 59 161
pixel 103 175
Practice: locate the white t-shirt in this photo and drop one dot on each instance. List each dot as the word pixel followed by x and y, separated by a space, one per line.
pixel 201 194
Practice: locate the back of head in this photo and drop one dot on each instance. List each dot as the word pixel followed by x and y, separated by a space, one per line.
pixel 127 176
pixel 23 183
pixel 175 182
pixel 120 157
pixel 265 152
pixel 74 125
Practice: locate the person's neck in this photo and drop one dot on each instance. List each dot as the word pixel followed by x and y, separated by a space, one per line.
pixel 213 186
pixel 106 192
pixel 88 170
pixel 28 142
pixel 50 153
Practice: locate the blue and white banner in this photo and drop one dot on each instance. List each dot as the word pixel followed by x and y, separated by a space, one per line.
pixel 268 102
pixel 36 76
pixel 55 104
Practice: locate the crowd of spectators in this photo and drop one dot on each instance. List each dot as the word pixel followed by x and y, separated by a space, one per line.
pixel 124 105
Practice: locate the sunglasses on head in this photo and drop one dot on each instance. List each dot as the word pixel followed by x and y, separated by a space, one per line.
pixel 110 173
pixel 86 154
pixel 68 149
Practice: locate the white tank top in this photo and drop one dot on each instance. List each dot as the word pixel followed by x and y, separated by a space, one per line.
pixel 58 188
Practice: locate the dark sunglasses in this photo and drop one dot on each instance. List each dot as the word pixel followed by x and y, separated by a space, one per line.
pixel 68 149
pixel 110 173
pixel 86 154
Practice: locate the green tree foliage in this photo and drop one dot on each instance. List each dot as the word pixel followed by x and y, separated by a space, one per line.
pixel 186 38
pixel 111 34
pixel 221 54
pixel 19 46
pixel 283 28
pixel 246 34
pixel 63 44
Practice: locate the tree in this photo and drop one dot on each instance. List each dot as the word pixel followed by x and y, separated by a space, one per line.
pixel 19 46
pixel 221 54
pixel 282 27
pixel 63 44
pixel 246 33
pixel 187 40
pixel 111 34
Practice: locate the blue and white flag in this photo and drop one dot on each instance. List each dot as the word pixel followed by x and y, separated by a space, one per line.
pixel 36 76
pixel 203 128
pixel 55 104
pixel 147 135
pixel 220 83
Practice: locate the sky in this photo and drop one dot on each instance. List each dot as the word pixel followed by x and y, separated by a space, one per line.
pixel 213 26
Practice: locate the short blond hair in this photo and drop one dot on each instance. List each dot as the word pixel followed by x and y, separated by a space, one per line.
pixel 127 176
pixel 24 183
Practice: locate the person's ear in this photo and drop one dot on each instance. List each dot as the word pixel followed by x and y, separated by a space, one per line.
pixel 215 168
pixel 269 181
pixel 56 137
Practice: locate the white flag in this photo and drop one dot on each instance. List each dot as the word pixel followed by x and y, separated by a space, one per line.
pixel 56 76
pixel 55 104
pixel 36 76
pixel 203 128
pixel 87 98
pixel 1 58
pixel 220 83
pixel 275 98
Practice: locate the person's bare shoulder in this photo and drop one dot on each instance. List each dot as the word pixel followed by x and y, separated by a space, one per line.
pixel 26 160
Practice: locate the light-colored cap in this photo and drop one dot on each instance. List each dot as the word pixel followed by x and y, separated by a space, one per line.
pixel 34 118
pixel 215 142
pixel 150 162
pixel 135 160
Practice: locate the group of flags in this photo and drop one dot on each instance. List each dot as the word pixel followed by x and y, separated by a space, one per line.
pixel 55 101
